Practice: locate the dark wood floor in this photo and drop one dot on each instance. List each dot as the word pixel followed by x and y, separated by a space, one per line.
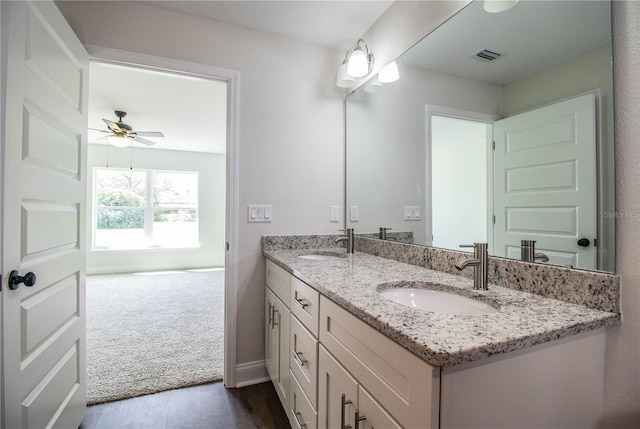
pixel 207 406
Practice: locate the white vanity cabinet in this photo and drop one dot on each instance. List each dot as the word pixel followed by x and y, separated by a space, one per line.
pixel 277 323
pixel 384 384
pixel 342 400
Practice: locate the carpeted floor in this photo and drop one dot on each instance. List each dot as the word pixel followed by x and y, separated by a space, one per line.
pixel 151 332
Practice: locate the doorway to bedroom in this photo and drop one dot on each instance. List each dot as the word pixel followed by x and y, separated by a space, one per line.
pixel 156 259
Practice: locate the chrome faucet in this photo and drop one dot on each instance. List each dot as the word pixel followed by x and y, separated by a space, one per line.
pixel 383 233
pixel 479 262
pixel 348 237
pixel 528 252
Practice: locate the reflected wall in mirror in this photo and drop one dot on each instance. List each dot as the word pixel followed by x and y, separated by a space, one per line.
pixel 421 157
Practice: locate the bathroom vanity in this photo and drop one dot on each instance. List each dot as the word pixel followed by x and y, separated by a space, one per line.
pixel 341 354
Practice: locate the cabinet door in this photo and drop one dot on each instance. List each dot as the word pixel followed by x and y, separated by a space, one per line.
pixel 337 393
pixel 271 352
pixel 283 319
pixel 372 415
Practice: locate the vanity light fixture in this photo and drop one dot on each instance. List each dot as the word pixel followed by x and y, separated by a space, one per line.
pixel 360 60
pixel 357 63
pixel 389 73
pixel 497 6
pixel 373 85
pixel 344 80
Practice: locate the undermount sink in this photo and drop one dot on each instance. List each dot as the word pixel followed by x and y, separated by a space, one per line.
pixel 322 257
pixel 438 301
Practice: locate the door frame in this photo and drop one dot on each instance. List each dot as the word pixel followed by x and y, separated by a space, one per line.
pixel 452 112
pixel 232 78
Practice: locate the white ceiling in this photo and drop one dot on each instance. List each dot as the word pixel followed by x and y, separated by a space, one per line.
pixel 335 24
pixel 191 112
pixel 533 35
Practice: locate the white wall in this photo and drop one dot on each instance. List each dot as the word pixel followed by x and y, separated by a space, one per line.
pixel 212 191
pixel 291 132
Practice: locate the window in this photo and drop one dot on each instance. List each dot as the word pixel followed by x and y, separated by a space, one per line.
pixel 138 209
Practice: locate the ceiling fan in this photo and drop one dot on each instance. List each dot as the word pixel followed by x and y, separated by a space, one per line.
pixel 121 134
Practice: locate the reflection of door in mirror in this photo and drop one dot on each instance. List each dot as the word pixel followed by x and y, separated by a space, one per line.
pixel 544 182
pixel 459 195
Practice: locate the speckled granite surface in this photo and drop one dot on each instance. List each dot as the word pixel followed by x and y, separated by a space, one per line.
pixel 599 291
pixel 398 236
pixel 353 281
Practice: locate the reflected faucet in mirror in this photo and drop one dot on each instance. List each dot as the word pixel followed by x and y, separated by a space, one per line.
pixel 528 252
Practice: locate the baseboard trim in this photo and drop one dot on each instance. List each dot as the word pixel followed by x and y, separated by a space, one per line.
pixel 251 373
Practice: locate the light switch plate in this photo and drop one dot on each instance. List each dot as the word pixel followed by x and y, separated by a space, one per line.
pixel 411 212
pixel 335 214
pixel 259 213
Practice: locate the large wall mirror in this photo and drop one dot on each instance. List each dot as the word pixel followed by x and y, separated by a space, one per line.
pixel 499 130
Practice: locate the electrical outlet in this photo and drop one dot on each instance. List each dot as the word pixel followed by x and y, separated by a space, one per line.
pixel 354 213
pixel 335 214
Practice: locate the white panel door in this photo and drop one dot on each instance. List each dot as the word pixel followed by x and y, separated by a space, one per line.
pixel 545 182
pixel 43 218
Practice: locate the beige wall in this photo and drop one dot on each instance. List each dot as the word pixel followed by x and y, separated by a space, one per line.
pixel 290 133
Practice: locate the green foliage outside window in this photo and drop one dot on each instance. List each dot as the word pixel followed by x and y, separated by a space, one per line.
pixel 120 209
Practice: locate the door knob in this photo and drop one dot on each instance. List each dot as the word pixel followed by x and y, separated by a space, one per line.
pixel 15 279
pixel 584 242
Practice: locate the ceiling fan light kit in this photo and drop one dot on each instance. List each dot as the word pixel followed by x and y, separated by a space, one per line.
pixel 122 135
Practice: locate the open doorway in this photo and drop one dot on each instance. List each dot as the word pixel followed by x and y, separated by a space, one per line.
pixel 461 197
pixel 157 208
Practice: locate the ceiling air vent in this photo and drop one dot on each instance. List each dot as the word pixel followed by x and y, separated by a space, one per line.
pixel 488 55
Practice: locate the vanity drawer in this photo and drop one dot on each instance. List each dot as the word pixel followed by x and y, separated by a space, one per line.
pixel 408 387
pixel 301 413
pixel 279 281
pixel 303 360
pixel 305 303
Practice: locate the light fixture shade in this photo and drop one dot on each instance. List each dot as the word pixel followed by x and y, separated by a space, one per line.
pixel 119 141
pixel 373 85
pixel 344 80
pixel 389 73
pixel 497 6
pixel 358 64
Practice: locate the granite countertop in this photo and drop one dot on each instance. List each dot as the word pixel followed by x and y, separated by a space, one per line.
pixel 524 319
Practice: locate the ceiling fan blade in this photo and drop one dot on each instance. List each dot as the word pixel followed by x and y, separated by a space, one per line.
pixel 113 126
pixel 149 133
pixel 105 137
pixel 143 141
pixel 102 131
